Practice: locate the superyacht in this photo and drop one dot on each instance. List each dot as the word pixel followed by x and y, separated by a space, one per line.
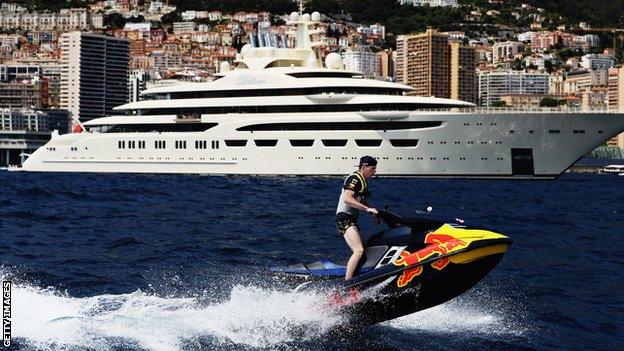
pixel 283 111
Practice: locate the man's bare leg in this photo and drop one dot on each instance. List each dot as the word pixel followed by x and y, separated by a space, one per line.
pixel 353 239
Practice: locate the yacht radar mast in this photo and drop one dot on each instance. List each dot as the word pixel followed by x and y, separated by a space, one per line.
pixel 305 53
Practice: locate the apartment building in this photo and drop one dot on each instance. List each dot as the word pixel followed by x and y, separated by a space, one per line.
pixel 593 61
pixel 423 62
pixel 432 3
pixel 361 59
pixel 435 67
pixel 25 130
pixel 94 73
pixel 505 51
pixel 463 79
pixel 494 84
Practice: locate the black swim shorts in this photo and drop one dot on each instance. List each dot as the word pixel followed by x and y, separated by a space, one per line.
pixel 344 221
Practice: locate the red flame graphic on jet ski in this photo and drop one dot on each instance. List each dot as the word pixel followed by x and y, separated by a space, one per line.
pixel 440 244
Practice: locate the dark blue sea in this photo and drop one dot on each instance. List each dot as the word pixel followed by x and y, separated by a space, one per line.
pixel 168 262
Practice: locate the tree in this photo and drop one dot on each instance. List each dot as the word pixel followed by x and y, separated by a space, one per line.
pixel 170 17
pixel 499 103
pixel 549 102
pixel 532 67
pixel 568 53
pixel 136 19
pixel 114 21
pixel 518 65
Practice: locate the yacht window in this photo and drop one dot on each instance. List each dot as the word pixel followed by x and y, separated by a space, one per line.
pixel 404 142
pixel 301 142
pixel 99 129
pixel 368 142
pixel 304 108
pixel 265 142
pixel 157 127
pixel 322 75
pixel 334 142
pixel 287 92
pixel 235 143
pixel 318 126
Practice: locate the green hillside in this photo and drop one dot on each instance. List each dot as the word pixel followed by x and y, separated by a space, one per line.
pixel 601 13
pixel 399 19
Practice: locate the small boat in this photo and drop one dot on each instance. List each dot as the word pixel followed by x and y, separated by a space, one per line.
pixel 416 263
pixel 618 169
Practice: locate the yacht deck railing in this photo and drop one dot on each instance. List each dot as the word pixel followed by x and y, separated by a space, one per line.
pixel 501 110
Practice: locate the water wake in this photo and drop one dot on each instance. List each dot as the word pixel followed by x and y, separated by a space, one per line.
pixel 249 318
pixel 478 312
pixel 252 317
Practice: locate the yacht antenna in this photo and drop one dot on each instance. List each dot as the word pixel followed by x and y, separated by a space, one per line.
pixel 301 4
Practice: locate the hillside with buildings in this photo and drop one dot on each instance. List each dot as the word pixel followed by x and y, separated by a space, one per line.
pixel 492 53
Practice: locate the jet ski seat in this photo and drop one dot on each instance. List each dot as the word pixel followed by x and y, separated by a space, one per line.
pixel 326 268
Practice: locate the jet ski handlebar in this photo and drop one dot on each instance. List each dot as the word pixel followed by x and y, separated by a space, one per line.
pixel 391 219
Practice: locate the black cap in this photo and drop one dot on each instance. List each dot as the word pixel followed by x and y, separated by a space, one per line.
pixel 368 161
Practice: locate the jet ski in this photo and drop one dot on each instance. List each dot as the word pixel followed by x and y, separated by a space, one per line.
pixel 415 263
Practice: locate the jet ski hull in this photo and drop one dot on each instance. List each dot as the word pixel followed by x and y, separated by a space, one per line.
pixel 430 289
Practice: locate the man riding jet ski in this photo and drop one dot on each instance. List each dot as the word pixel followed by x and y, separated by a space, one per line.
pixel 417 263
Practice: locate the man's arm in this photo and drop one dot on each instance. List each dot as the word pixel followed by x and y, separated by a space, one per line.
pixel 349 199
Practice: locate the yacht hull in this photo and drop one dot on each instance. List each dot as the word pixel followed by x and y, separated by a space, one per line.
pixel 480 145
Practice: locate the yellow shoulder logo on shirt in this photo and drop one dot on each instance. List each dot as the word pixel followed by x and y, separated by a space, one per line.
pixel 352 184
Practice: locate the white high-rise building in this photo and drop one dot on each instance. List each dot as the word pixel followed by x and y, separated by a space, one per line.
pixel 361 59
pixel 94 73
pixel 505 51
pixel 592 61
pixel 138 83
pixel 433 3
pixel 494 84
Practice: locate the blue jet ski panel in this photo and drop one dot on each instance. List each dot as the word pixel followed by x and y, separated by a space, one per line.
pixel 325 268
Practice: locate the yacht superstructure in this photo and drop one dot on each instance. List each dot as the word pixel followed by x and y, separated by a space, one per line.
pixel 281 111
